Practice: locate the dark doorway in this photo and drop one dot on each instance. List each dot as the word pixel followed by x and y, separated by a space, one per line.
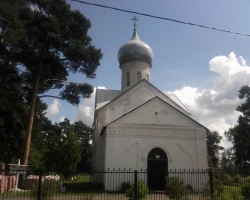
pixel 157 169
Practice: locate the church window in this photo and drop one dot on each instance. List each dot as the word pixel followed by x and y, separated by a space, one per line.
pixel 138 76
pixel 147 78
pixel 128 79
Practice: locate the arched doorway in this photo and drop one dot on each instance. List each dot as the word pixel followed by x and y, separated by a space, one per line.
pixel 157 169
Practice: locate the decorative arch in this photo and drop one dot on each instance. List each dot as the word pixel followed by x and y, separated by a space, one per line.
pixel 152 146
pixel 157 169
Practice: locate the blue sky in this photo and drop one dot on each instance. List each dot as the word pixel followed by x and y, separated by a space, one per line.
pixel 204 68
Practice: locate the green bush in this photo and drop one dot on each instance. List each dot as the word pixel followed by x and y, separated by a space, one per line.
pixel 189 187
pixel 142 191
pixel 48 189
pixel 217 190
pixel 88 197
pixel 237 178
pixel 176 188
pixel 125 186
pixel 245 188
pixel 232 196
pixel 97 186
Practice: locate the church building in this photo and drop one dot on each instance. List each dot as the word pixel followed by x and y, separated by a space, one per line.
pixel 140 127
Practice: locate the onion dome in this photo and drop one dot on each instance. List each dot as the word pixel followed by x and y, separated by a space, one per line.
pixel 135 50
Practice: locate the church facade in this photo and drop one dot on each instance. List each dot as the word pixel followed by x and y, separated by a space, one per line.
pixel 141 128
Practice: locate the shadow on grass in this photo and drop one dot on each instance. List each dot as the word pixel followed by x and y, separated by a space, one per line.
pixel 82 187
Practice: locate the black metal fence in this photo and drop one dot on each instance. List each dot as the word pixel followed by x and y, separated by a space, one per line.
pixel 112 184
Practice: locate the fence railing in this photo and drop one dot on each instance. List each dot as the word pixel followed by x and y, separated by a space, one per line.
pixel 118 184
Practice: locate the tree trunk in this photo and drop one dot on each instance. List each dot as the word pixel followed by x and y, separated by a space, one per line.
pixel 30 122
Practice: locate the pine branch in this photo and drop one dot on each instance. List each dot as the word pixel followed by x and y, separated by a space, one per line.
pixel 59 80
pixel 50 96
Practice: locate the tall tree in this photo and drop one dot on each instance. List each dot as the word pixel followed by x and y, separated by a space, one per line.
pixel 227 162
pixel 213 148
pixel 13 108
pixel 68 146
pixel 239 135
pixel 50 43
pixel 85 138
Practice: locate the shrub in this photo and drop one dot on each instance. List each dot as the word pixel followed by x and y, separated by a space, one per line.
pixel 237 178
pixel 245 188
pixel 48 189
pixel 217 190
pixel 97 186
pixel 142 191
pixel 176 189
pixel 88 197
pixel 189 187
pixel 125 186
pixel 233 196
pixel 226 178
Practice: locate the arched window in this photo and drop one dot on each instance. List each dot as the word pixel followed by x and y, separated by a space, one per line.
pixel 128 79
pixel 147 78
pixel 138 76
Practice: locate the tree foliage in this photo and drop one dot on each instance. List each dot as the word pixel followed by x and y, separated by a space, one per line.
pixel 213 148
pixel 227 162
pixel 42 41
pixel 239 135
pixel 67 147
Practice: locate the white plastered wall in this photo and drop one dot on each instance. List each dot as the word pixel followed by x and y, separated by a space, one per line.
pixel 127 150
pixel 133 67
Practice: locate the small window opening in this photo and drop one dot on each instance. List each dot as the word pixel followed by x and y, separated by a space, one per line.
pixel 138 76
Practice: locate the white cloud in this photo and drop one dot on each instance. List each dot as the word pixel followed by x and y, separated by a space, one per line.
pixel 215 107
pixel 61 119
pixel 53 109
pixel 85 111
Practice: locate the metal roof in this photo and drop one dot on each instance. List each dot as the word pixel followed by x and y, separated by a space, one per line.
pixel 135 49
pixel 104 96
pixel 176 100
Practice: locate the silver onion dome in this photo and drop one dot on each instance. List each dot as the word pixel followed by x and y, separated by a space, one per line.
pixel 135 50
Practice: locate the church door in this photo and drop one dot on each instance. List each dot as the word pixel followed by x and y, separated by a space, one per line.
pixel 157 169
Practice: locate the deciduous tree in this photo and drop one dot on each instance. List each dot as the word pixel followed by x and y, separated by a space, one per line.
pixel 239 135
pixel 213 148
pixel 68 147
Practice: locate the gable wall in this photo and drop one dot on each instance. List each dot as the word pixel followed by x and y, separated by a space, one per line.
pixel 158 112
pixel 130 100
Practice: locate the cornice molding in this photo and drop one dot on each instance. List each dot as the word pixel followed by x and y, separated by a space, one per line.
pixel 151 134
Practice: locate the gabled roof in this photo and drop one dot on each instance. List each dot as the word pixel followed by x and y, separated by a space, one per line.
pixel 156 97
pixel 176 100
pixel 107 95
pixel 104 96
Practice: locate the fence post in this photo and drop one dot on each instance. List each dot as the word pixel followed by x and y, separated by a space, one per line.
pixel 211 183
pixel 39 185
pixel 135 183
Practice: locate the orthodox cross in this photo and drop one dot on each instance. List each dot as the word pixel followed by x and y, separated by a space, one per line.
pixel 135 19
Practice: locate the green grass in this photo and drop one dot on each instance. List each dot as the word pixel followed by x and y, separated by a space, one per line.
pixel 231 189
pixel 15 194
pixel 83 185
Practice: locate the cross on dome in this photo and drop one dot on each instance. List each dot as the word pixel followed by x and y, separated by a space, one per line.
pixel 135 19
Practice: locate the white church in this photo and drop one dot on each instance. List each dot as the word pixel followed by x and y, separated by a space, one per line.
pixel 140 127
